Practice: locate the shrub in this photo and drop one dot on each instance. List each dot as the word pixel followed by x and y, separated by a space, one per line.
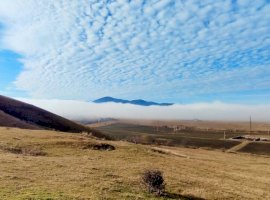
pixel 154 181
pixel 102 146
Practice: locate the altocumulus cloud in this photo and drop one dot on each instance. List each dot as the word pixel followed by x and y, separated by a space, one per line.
pixel 79 110
pixel 86 49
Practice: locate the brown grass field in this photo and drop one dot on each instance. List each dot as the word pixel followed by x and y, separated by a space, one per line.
pixel 64 169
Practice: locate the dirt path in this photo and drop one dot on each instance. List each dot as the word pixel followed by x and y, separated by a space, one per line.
pixel 238 147
pixel 169 151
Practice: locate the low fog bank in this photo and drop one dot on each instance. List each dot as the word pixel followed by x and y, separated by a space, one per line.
pixel 79 110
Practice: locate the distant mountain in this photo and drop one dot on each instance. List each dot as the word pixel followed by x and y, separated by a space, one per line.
pixel 139 102
pixel 110 99
pixel 14 113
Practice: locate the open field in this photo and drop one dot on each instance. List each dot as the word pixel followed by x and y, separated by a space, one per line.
pixel 149 135
pixel 68 170
pixel 256 148
pixel 203 124
pixel 194 138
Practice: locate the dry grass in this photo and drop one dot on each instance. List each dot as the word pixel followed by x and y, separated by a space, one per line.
pixel 70 172
pixel 27 151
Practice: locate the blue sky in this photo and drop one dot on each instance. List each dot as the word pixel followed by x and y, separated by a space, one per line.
pixel 10 68
pixel 161 50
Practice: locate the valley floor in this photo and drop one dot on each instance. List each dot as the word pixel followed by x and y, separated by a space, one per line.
pixel 54 165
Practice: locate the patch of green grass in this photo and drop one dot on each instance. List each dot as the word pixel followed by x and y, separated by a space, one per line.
pixel 257 148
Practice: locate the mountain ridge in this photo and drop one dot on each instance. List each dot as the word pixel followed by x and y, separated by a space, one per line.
pixel 139 102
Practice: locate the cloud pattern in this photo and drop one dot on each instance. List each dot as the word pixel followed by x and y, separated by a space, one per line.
pixel 157 49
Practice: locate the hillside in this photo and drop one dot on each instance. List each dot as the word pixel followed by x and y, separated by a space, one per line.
pixel 138 102
pixel 14 113
pixel 65 169
pixel 10 121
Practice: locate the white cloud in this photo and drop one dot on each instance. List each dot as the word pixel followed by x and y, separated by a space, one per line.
pixel 151 49
pixel 79 110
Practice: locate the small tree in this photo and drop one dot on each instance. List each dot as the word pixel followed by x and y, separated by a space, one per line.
pixel 154 181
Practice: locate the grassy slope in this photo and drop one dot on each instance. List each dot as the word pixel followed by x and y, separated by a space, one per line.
pixel 38 116
pixel 70 172
pixel 10 121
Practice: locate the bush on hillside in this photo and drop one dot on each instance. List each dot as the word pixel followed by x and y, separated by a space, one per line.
pixel 101 147
pixel 154 181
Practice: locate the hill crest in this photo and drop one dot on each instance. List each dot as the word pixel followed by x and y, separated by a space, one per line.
pixel 14 113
